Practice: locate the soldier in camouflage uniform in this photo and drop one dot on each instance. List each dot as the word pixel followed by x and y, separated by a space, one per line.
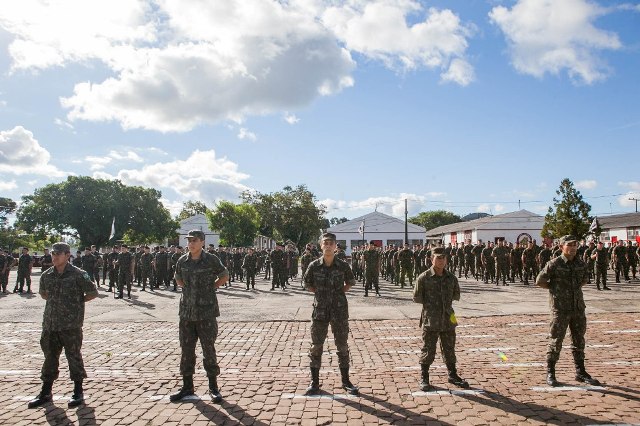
pixel 516 263
pixel 306 259
pixel 25 263
pixel 329 278
pixel 564 276
pixel 249 264
pixel 529 262
pixel 619 260
pixel 469 260
pixel 436 290
pixel 199 274
pixel 161 267
pixel 111 267
pixel 405 258
pixel 586 258
pixel 477 256
pixel 4 265
pixel 66 289
pixel 631 259
pixel 488 263
pixel 544 256
pixel 89 263
pixel 500 255
pixel 460 259
pixel 278 267
pixel 125 264
pixel 372 262
pixel 600 259
pixel 145 268
pixel 77 260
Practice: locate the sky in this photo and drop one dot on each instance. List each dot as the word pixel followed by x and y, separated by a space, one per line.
pixel 461 105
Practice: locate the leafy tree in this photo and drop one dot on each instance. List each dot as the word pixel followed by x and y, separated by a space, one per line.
pixel 7 206
pixel 191 208
pixel 337 221
pixel 291 214
pixel 237 223
pixel 84 208
pixel 433 219
pixel 569 215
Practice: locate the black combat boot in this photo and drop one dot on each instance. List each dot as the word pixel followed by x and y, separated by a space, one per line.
pixel 43 397
pixel 551 374
pixel 185 390
pixel 454 379
pixel 78 394
pixel 314 387
pixel 346 383
pixel 213 390
pixel 583 376
pixel 424 383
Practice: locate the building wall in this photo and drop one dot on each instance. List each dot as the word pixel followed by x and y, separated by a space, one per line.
pixel 348 237
pixel 511 235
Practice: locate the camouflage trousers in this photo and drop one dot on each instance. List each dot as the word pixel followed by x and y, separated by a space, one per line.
pixel 576 321
pixel 447 346
pixel 145 276
pixel 190 332
pixel 371 280
pixel 124 278
pixel 22 277
pixel 52 343
pixel 340 330
pixel 460 266
pixel 489 272
pixel 406 271
pixel 469 266
pixel 600 270
pixel 251 276
pixel 501 271
pixel 530 271
pixel 279 277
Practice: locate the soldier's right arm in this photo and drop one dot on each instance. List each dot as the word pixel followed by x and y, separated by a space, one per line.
pixel 542 280
pixel 418 291
pixel 308 279
pixel 42 290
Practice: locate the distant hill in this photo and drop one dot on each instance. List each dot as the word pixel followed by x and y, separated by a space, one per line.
pixel 473 216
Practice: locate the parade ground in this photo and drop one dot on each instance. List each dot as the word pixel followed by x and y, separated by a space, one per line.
pixel 131 353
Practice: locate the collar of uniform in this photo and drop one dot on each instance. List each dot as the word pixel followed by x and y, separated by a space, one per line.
pixel 566 260
pixel 202 254
pixel 68 267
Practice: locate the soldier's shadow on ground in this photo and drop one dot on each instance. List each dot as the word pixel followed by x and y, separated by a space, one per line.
pixel 166 296
pixel 542 414
pixel 235 292
pixel 86 416
pixel 135 302
pixel 393 413
pixel 28 295
pixel 57 415
pixel 620 392
pixel 237 414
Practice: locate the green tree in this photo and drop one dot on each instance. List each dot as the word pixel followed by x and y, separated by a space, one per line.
pixel 84 208
pixel 569 214
pixel 337 221
pixel 433 219
pixel 291 214
pixel 237 223
pixel 7 207
pixel 191 208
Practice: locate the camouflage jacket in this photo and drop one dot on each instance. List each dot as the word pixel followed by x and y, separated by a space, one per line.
pixel 371 260
pixel 565 279
pixel 277 260
pixel 145 261
pixel 330 301
pixel 199 300
pixel 64 309
pixel 436 294
pixel 250 262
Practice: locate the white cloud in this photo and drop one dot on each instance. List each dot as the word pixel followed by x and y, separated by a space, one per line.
pixel 547 36
pixel 63 124
pixel 291 118
pixel 380 30
pixel 392 205
pixel 586 184
pixel 20 153
pixel 626 201
pixel 487 208
pixel 7 186
pixel 127 156
pixel 246 134
pixel 202 177
pixel 635 186
pixel 97 163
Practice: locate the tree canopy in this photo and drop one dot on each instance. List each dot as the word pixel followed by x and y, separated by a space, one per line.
pixel 569 214
pixel 191 208
pixel 237 223
pixel 84 208
pixel 433 219
pixel 291 214
pixel 7 206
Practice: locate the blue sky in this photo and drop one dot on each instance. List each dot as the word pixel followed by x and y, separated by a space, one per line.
pixel 459 105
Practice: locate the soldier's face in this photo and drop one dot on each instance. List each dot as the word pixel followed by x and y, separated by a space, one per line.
pixel 328 246
pixel 59 258
pixel 570 249
pixel 195 245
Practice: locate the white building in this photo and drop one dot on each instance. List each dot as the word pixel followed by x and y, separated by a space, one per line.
pixel 512 227
pixel 378 227
pixel 620 227
pixel 200 223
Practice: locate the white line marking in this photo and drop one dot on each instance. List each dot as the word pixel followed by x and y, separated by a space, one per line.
pixel 399 338
pixel 7 342
pixel 448 392
pixel 476 336
pixel 55 398
pixel 565 388
pixel 622 363
pixel 321 396
pixel 622 331
pixel 600 346
pixel 405 352
pixel 239 353
pixel 601 322
pixel 257 339
pixel 520 364
pixel 186 398
pixel 417 367
pixel 136 354
pixel 392 328
pixel 17 372
pixel 467 325
pixel 490 349
pixel 517 324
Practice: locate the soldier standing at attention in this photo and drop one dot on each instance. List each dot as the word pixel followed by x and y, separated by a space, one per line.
pixel 529 262
pixel 564 276
pixel 329 278
pixel 77 260
pixel 4 265
pixel 249 264
pixel 25 263
pixel 278 267
pixel 600 257
pixel 125 264
pixel 501 256
pixel 45 262
pixel 306 259
pixel 111 267
pixel 89 263
pixel 436 290
pixel 405 257
pixel 199 274
pixel 619 260
pixel 371 268
pixel 66 289
pixel 146 260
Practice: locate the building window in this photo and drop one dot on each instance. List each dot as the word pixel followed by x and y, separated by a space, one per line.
pixel 395 242
pixel 604 236
pixel 632 233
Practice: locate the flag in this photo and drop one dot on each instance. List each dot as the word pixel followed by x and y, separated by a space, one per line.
pixel 113 229
pixel 361 228
pixel 594 225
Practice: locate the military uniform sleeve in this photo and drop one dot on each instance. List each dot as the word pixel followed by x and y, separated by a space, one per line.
pixel 456 288
pixel 308 277
pixel 542 280
pixel 178 274
pixel 42 290
pixel 88 287
pixel 349 278
pixel 218 268
pixel 418 291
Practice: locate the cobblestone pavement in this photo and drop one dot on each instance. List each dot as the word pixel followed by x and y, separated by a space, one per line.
pixel 132 365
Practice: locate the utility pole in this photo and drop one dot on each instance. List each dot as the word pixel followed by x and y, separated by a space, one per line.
pixel 636 200
pixel 406 224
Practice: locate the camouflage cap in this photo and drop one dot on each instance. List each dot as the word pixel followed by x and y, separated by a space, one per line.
pixel 568 239
pixel 61 247
pixel 329 236
pixel 438 251
pixel 196 233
